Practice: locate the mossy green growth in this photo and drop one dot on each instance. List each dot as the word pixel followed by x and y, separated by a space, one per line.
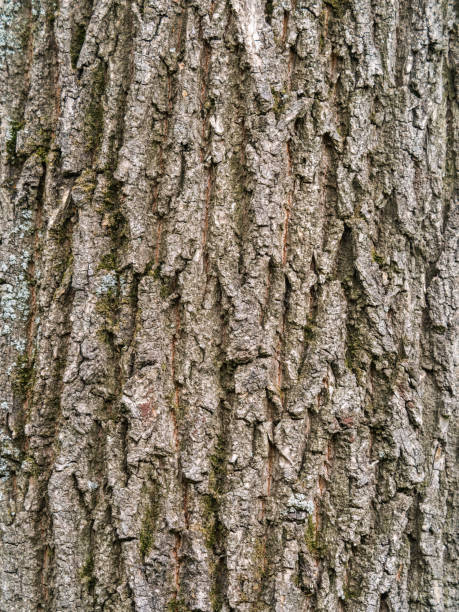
pixel 76 43
pixel 39 142
pixel 114 220
pixel 339 6
pixel 116 227
pixel 218 463
pixel 149 522
pixel 166 284
pixel 177 605
pixel 354 350
pixel 86 182
pixel 310 330
pixel 110 197
pixel 87 573
pixel 15 127
pixel 154 271
pixel 94 119
pixel 214 530
pixel 351 592
pixel 42 153
pixel 63 265
pixel 51 9
pixel 30 466
pixel 269 11
pixel 165 290
pixel 146 538
pixel 107 306
pixel 217 598
pixel 260 561
pixel 312 539
pixel 23 375
pixel 108 261
pixel 377 258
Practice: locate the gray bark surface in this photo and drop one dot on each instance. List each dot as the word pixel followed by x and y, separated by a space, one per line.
pixel 227 305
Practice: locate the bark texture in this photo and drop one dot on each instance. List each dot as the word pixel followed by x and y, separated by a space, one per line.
pixel 227 305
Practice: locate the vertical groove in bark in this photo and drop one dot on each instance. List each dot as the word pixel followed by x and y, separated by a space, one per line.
pixel 227 307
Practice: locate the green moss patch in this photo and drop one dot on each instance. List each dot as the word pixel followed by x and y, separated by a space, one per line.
pixel 314 542
pixel 149 523
pixel 11 153
pixel 94 118
pixel 23 375
pixel 87 573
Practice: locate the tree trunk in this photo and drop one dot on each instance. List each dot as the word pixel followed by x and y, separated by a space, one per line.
pixel 227 301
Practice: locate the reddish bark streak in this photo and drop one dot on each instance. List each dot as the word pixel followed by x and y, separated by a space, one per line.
pixel 288 208
pixel 206 218
pixel 322 485
pixel 270 470
pixel 185 504
pixel 176 388
pixel 158 241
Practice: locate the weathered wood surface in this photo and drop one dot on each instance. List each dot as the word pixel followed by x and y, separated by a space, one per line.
pixel 227 305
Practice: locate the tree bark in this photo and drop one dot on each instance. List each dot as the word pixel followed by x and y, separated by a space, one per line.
pixel 227 305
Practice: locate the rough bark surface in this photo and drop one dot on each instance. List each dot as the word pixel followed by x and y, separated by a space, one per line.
pixel 227 305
